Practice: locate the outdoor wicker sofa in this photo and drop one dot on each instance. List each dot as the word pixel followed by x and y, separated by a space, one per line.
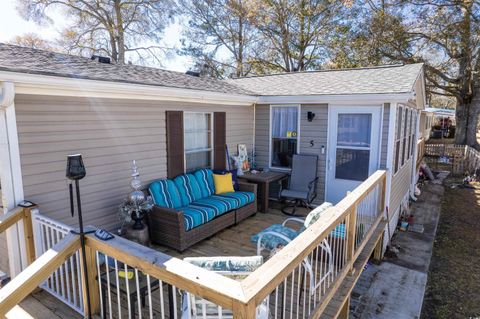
pixel 187 210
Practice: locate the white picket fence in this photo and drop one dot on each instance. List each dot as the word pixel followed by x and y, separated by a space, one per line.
pixel 65 282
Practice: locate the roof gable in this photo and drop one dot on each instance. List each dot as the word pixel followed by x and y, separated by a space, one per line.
pixel 375 80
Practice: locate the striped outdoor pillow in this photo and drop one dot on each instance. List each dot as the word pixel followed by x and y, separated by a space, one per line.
pixel 165 194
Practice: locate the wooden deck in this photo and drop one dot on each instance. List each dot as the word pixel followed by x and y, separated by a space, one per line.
pixel 232 241
pixel 235 240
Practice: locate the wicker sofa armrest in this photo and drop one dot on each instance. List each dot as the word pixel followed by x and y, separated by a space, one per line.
pixel 166 224
pixel 248 187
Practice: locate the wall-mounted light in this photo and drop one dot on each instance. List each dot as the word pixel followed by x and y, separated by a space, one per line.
pixel 310 116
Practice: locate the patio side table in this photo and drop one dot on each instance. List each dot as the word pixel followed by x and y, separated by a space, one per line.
pixel 263 179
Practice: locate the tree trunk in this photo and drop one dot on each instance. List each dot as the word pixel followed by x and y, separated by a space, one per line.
pixel 472 139
pixel 466 123
pixel 120 33
pixel 113 44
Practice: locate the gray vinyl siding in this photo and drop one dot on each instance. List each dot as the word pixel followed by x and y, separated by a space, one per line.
pixel 262 135
pixel 315 131
pixel 400 185
pixel 110 133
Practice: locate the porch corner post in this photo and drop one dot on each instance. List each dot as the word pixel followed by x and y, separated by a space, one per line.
pixel 11 175
pixel 244 311
pixel 90 282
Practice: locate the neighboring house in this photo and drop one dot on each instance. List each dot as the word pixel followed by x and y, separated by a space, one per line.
pixel 426 124
pixel 53 105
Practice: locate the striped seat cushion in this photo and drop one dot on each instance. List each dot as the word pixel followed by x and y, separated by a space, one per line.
pixel 188 188
pixel 241 198
pixel 220 206
pixel 165 194
pixel 195 215
pixel 204 179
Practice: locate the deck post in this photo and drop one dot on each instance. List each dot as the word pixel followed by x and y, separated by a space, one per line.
pixel 92 282
pixel 351 233
pixel 345 311
pixel 377 252
pixel 244 311
pixel 28 231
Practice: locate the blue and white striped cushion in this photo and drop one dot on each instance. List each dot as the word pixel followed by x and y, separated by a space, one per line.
pixel 219 206
pixel 165 194
pixel 231 202
pixel 242 198
pixel 184 188
pixel 194 188
pixel 204 178
pixel 195 216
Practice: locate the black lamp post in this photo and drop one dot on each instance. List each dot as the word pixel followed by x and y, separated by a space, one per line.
pixel 75 172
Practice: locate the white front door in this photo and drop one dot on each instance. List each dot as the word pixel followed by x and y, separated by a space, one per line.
pixel 353 148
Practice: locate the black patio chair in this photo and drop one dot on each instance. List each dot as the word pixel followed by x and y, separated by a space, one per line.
pixel 302 185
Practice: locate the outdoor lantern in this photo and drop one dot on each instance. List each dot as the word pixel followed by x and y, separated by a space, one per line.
pixel 310 116
pixel 75 167
pixel 75 172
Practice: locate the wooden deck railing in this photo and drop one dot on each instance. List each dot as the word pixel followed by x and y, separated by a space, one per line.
pixel 301 279
pixel 14 217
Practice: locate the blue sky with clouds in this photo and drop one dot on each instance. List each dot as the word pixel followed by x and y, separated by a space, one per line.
pixel 12 24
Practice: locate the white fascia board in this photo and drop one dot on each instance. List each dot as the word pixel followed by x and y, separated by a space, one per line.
pixel 352 99
pixel 35 84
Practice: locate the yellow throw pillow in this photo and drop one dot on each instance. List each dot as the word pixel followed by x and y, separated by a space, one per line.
pixel 223 183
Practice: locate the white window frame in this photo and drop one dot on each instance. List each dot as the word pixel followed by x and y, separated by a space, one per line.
pixel 270 148
pixel 210 149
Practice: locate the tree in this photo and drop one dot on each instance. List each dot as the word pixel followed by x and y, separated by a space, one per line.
pixel 443 34
pixel 219 36
pixel 109 27
pixel 296 34
pixel 32 40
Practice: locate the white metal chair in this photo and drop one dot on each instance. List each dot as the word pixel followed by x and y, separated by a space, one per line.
pixel 277 236
pixel 194 307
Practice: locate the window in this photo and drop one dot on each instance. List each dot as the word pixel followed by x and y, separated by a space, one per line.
pixel 198 140
pixel 404 136
pixel 398 138
pixel 284 132
pixel 410 131
pixel 353 146
pixel 413 132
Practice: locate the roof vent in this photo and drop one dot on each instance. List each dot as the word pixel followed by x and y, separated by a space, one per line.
pixel 193 73
pixel 101 59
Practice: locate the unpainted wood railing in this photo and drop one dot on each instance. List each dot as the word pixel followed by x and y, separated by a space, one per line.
pixel 301 279
pixel 17 215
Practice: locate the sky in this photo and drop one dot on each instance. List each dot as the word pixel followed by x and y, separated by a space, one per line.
pixel 12 24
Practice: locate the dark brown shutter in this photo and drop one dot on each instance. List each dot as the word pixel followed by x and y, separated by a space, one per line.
pixel 219 140
pixel 175 160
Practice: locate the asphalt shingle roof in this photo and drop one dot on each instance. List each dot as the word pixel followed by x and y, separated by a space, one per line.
pixel 26 60
pixel 382 79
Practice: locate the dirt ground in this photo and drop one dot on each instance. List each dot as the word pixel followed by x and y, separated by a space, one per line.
pixel 453 286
